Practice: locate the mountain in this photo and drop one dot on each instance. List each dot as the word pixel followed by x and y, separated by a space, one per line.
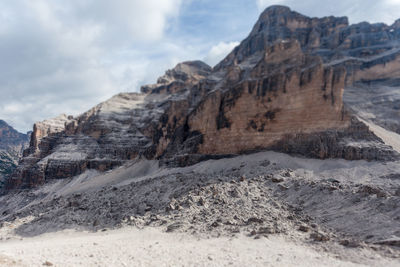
pixel 12 144
pixel 11 138
pixel 284 88
pixel 191 156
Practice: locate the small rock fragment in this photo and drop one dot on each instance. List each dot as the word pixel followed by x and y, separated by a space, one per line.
pixel 395 241
pixel 282 187
pixel 277 180
pixel 201 201
pixel 370 190
pixel 172 227
pixel 349 243
pixel 303 228
pixel 215 224
pixel 319 237
pixel 265 230
pixel 254 220
pixel 333 181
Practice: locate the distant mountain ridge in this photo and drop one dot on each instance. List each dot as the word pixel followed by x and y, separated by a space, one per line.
pixel 12 144
pixel 9 137
pixel 283 89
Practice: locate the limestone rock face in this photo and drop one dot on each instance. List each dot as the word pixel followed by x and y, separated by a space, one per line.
pixel 43 129
pixel 185 73
pixel 281 88
pixel 271 100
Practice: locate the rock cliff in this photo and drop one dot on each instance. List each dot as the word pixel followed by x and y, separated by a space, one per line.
pixel 281 88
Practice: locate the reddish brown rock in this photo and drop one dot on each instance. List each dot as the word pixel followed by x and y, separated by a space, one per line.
pixel 276 99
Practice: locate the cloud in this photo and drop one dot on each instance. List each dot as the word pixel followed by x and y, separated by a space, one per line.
pixel 127 19
pixel 386 11
pixel 66 56
pixel 219 52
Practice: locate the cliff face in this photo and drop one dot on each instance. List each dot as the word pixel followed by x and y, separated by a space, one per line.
pixel 281 88
pixel 12 144
pixel 271 100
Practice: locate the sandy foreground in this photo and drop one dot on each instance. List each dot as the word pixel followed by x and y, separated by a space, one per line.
pixel 263 209
pixel 151 247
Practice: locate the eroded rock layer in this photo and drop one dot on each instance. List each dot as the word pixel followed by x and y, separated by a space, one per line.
pixel 281 88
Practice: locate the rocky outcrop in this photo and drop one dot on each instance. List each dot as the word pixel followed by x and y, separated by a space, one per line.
pixel 281 88
pixel 184 74
pixel 46 129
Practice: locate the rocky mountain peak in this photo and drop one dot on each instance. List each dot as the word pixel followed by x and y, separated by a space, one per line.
pixel 280 22
pixel 187 72
pixel 276 16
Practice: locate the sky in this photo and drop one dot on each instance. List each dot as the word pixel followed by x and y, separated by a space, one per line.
pixel 65 56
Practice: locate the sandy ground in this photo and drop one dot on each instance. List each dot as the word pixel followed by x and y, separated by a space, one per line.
pixel 263 209
pixel 152 247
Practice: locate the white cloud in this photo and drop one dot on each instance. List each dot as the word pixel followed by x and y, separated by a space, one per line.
pixel 127 19
pixel 386 11
pixel 265 3
pixel 219 52
pixel 66 56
